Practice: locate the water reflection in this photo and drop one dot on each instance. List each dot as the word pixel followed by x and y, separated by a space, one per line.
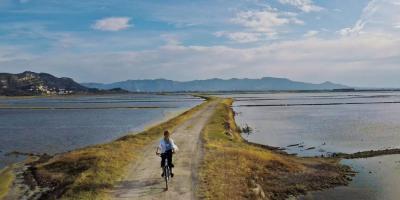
pixel 89 120
pixel 378 178
pixel 315 124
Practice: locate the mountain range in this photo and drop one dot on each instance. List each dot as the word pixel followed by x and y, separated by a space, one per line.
pixel 31 83
pixel 263 84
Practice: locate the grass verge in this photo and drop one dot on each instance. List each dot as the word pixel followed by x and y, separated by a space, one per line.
pixel 88 173
pixel 235 169
pixel 6 179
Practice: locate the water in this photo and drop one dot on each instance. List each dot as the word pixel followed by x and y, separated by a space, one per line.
pixel 314 124
pixel 58 124
pixel 378 178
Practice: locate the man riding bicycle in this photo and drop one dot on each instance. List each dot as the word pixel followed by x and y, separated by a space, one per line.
pixel 166 148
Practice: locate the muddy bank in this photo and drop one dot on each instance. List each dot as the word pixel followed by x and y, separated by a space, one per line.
pixel 233 168
pixel 19 153
pixel 377 178
pixel 87 173
pixel 340 155
pixel 23 185
pixel 84 108
pixel 366 154
pixel 318 104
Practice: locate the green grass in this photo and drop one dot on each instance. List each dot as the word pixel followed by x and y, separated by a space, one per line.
pixel 232 168
pixel 89 173
pixel 6 178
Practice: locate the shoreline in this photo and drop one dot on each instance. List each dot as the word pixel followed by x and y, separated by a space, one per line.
pixel 366 154
pixel 7 177
pixel 10 154
pixel 90 171
pixel 233 168
pixel 67 175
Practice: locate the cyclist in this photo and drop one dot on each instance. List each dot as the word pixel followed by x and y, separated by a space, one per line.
pixel 166 148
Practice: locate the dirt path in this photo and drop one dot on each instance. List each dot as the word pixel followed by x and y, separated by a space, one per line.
pixel 144 179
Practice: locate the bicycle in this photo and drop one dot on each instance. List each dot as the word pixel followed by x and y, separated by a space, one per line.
pixel 167 173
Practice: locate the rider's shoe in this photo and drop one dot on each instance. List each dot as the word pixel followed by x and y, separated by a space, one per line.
pixel 172 175
pixel 162 175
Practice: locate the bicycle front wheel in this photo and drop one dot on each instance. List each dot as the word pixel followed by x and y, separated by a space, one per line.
pixel 166 176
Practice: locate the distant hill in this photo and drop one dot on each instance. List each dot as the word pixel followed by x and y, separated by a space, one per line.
pixel 31 83
pixel 263 84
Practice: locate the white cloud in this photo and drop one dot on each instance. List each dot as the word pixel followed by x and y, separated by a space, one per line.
pixel 240 37
pixel 311 33
pixel 13 53
pixel 304 5
pixel 265 21
pixel 171 40
pixel 367 59
pixel 364 60
pixel 368 11
pixel 112 24
pixel 260 25
pixel 379 17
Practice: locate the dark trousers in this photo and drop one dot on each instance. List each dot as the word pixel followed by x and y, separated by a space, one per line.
pixel 167 155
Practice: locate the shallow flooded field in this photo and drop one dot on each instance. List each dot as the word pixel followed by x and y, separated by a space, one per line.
pixel 377 178
pixel 315 124
pixel 57 124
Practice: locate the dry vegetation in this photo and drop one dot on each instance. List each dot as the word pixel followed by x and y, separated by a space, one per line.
pixel 6 178
pixel 235 169
pixel 231 169
pixel 90 172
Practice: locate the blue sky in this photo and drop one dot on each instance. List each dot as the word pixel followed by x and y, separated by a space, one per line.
pixel 352 42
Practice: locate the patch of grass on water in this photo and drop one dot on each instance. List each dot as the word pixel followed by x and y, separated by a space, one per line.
pixel 6 178
pixel 235 169
pixel 89 173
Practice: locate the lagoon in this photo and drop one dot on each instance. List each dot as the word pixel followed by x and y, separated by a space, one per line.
pixel 321 123
pixel 58 124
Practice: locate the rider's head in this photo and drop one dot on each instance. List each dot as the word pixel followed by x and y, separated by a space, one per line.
pixel 166 134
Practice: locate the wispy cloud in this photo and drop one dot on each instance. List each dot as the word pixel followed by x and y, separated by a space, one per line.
pixel 311 33
pixel 112 24
pixel 368 11
pixel 13 54
pixel 203 39
pixel 378 17
pixel 240 37
pixel 347 60
pixel 304 5
pixel 260 24
pixel 265 21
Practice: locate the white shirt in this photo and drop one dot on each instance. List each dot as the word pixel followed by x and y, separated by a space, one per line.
pixel 165 146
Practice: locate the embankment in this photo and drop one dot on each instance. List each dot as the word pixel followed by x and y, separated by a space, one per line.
pixel 366 154
pixel 6 179
pixel 235 169
pixel 89 173
pixel 231 168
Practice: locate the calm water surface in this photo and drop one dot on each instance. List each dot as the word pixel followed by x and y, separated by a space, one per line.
pixel 58 124
pixel 314 124
pixel 378 178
